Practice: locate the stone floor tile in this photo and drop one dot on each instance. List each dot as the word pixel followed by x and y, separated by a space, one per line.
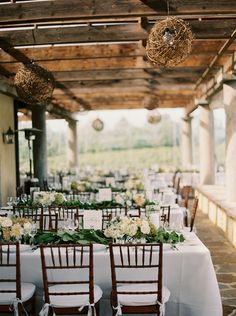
pixel 224 260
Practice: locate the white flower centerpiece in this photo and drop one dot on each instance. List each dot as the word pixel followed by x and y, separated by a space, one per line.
pixel 14 228
pixel 128 229
pixel 49 198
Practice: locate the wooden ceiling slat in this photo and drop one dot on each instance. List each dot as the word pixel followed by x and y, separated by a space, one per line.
pixel 79 52
pixel 76 34
pixel 205 29
pixel 84 9
pixel 113 63
pixel 103 50
pixel 111 74
pixel 88 64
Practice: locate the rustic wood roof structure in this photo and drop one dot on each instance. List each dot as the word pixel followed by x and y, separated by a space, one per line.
pixel 96 50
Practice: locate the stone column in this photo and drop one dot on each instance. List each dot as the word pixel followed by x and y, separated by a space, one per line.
pixel 40 144
pixel 72 147
pixel 186 142
pixel 229 96
pixel 206 145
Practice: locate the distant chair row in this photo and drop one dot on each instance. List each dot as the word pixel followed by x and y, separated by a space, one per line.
pixel 55 217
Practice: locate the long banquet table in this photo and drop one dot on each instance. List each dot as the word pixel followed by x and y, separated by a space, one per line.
pixel 188 273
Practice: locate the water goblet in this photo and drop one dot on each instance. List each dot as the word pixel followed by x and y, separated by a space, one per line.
pixel 10 201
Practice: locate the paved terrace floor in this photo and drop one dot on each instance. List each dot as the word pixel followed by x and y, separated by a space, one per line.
pixel 224 260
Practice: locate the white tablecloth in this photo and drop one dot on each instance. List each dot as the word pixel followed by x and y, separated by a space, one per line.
pixel 188 273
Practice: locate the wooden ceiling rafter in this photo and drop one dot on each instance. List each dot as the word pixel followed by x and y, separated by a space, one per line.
pixel 94 9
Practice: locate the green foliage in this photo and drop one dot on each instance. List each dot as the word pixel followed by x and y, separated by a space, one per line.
pixel 83 236
pixel 162 235
pixel 86 236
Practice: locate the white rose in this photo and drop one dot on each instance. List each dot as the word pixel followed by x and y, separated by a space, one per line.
pixel 108 232
pixel 7 222
pixel 131 230
pixel 119 199
pixel 27 228
pixel 2 219
pixel 145 228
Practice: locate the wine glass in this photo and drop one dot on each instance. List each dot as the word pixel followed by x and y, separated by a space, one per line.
pixel 32 233
pixel 10 201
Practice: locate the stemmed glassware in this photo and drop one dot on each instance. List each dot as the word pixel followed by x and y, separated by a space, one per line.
pixel 69 224
pixel 32 233
pixel 10 201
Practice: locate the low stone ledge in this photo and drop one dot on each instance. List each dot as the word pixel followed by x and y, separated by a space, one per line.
pixel 212 201
pixel 217 194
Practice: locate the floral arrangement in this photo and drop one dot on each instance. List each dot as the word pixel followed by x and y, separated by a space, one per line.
pixel 49 198
pixel 134 184
pixel 14 228
pixel 81 186
pixel 120 199
pixel 128 228
pixel 139 199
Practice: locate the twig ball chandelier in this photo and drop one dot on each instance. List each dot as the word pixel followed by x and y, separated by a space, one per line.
pixel 150 102
pixel 169 42
pixel 98 125
pixel 34 84
pixel 153 117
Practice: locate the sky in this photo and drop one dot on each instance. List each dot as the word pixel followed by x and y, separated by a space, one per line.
pixel 137 117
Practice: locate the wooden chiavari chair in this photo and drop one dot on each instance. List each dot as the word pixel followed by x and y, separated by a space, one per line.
pixel 165 214
pixel 15 296
pixel 138 290
pixel 185 194
pixel 193 213
pixel 27 211
pixel 74 291
pixel 115 211
pixel 65 213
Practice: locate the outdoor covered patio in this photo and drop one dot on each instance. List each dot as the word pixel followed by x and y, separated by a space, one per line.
pixel 96 52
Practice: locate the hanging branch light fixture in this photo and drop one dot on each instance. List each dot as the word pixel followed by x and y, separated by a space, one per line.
pixel 150 102
pixel 34 84
pixel 169 42
pixel 98 125
pixel 154 117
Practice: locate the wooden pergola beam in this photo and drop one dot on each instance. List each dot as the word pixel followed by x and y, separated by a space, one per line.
pixel 43 11
pixel 79 52
pixel 101 50
pixel 114 63
pixel 205 29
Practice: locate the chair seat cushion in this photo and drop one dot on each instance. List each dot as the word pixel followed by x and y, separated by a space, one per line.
pixel 141 299
pixel 73 300
pixel 27 291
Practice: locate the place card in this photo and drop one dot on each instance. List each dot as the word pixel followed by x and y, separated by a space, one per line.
pixel 35 194
pixel 34 190
pixel 92 219
pixel 155 219
pixel 104 194
pixel 110 181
